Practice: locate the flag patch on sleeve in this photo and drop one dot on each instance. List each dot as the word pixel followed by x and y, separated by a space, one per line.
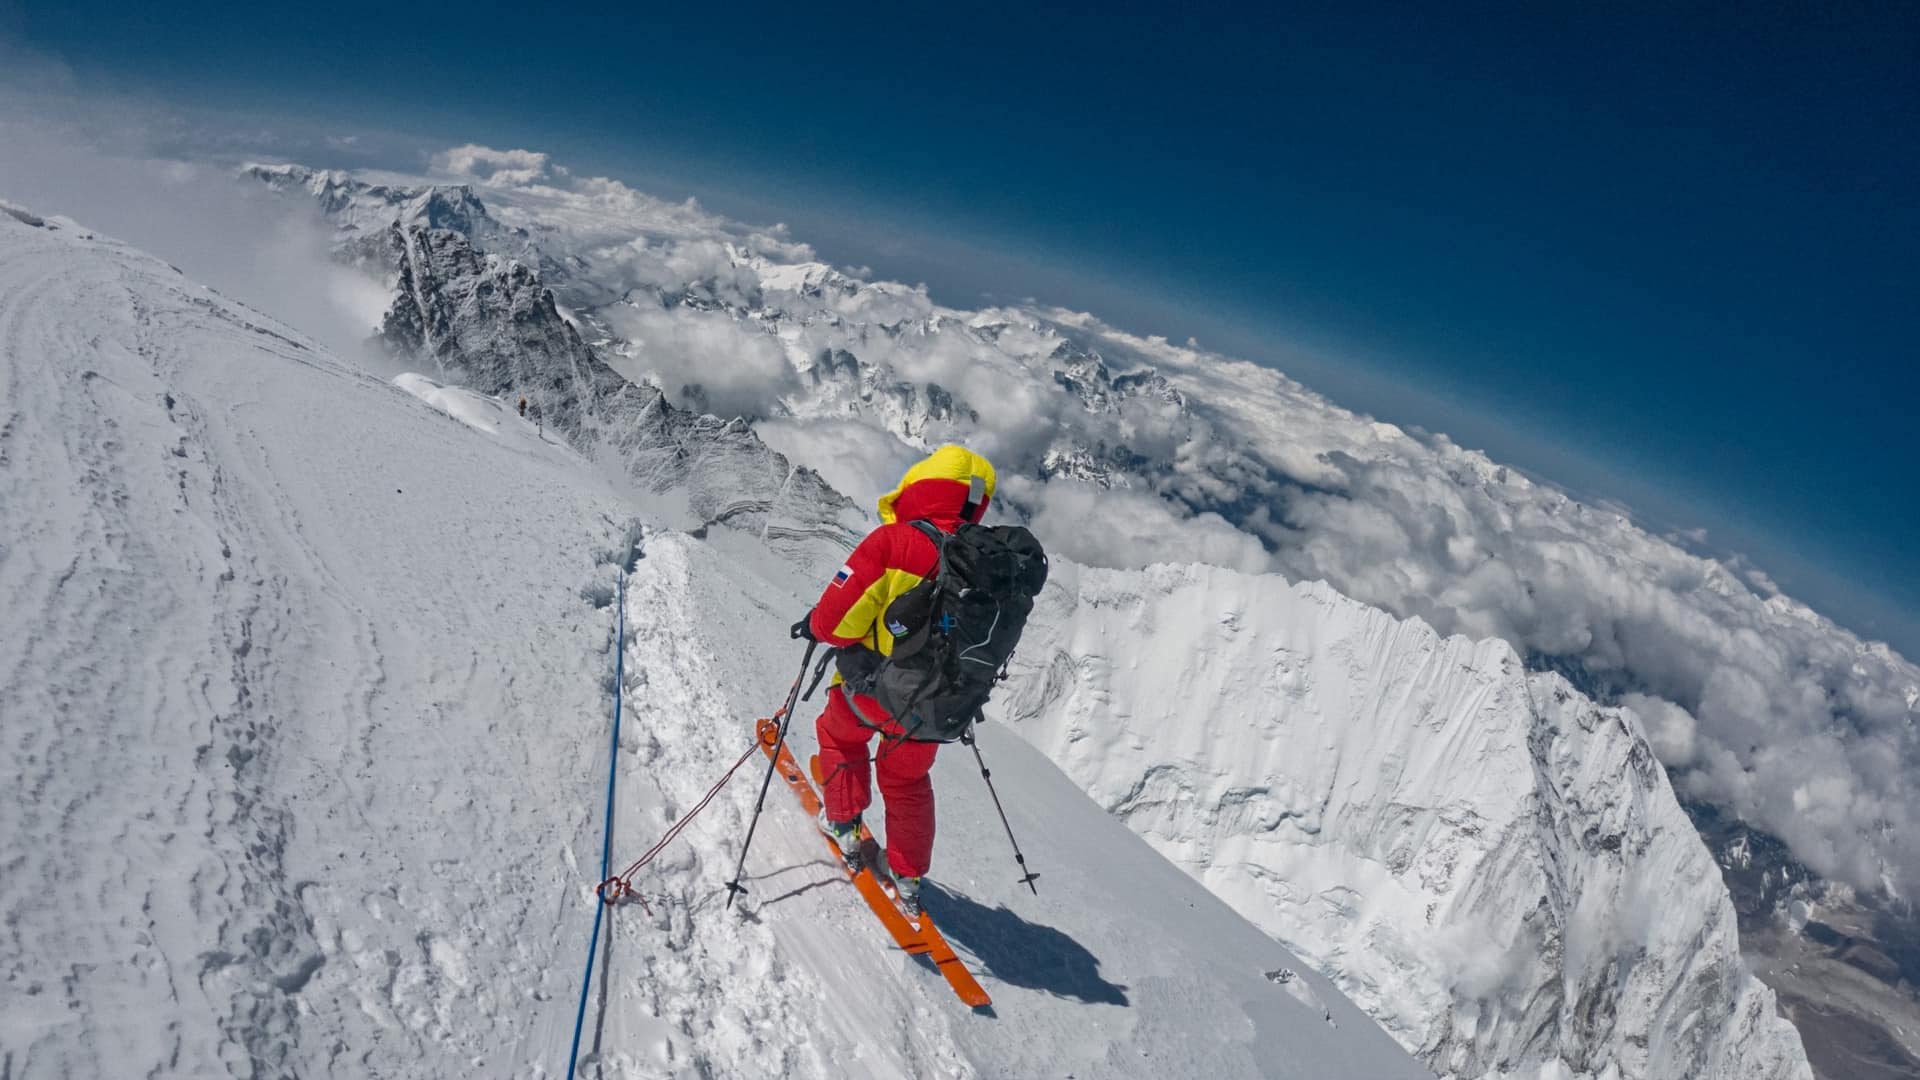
pixel 840 578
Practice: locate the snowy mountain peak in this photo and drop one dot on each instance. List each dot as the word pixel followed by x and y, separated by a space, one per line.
pixel 356 205
pixel 1100 391
pixel 361 212
pixel 812 280
pixel 491 324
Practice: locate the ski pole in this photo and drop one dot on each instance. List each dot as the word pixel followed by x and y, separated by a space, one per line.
pixel 985 774
pixel 734 888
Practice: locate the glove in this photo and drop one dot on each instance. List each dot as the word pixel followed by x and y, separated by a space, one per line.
pixel 803 629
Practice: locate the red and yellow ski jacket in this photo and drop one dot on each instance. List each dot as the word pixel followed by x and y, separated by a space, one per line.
pixel 952 485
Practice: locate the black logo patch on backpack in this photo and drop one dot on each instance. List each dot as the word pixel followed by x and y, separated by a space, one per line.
pixel 955 632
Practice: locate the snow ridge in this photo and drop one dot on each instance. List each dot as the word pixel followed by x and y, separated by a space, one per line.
pixel 1491 865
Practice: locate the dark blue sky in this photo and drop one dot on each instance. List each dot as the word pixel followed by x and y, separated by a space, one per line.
pixel 1665 258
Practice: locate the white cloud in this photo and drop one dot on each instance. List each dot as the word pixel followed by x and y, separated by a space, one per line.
pixel 193 216
pixel 774 243
pixel 494 168
pixel 1669 728
pixel 858 460
pixel 704 360
pixel 1128 529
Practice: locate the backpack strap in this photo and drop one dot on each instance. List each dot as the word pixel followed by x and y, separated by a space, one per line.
pixel 931 531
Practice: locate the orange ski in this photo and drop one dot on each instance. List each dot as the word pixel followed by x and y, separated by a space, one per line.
pixel 921 940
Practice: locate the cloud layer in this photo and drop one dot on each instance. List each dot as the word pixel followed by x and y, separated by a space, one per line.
pixel 1755 701
pixel 1758 704
pixel 247 247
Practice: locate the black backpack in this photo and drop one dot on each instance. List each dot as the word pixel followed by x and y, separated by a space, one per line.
pixel 954 633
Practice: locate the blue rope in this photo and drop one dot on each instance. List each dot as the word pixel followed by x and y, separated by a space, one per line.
pixel 606 847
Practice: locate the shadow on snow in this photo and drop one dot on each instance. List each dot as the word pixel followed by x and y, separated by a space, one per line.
pixel 1021 953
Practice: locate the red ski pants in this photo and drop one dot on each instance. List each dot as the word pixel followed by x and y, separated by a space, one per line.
pixel 904 783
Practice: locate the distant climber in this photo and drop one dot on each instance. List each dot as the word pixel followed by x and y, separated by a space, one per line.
pixel 916 660
pixel 523 408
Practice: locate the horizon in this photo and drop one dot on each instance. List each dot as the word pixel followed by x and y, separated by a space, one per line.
pixel 1755 389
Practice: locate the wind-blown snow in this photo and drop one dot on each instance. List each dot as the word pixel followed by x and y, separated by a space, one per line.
pixel 477 411
pixel 305 689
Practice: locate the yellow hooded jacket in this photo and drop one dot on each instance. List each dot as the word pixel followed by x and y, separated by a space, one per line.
pixel 951 485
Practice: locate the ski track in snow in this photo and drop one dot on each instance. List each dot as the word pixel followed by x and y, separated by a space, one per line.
pixel 305 690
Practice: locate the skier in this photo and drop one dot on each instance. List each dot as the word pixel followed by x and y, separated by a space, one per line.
pixel 951 486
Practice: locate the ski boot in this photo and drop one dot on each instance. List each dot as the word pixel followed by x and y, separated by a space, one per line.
pixel 846 837
pixel 907 889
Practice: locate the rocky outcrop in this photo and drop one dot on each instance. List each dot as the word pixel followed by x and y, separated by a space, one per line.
pixel 361 214
pixel 491 325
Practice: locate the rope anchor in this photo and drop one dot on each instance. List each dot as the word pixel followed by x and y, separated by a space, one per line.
pixel 618 888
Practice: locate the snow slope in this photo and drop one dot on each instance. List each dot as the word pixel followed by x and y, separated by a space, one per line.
pixel 297 688
pixel 304 698
pixel 1507 877
pixel 1119 966
pixel 1491 865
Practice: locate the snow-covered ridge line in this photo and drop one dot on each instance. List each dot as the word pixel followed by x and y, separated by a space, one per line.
pixel 1493 866
pixel 1760 706
pixel 491 324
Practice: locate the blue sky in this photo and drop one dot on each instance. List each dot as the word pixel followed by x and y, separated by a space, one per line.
pixel 1666 259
